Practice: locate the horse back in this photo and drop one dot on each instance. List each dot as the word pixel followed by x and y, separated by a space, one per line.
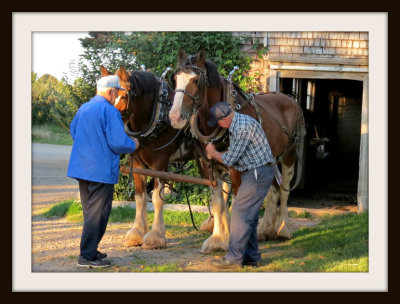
pixel 279 114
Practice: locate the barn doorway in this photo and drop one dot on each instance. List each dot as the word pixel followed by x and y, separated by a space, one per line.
pixel 332 110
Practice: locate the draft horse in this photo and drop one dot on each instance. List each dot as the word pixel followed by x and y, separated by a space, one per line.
pixel 198 87
pixel 144 108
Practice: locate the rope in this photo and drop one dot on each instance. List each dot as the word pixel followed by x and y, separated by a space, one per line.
pixel 130 182
pixel 186 195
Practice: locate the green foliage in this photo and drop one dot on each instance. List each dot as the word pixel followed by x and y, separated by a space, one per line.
pixel 196 194
pixel 48 96
pixel 158 50
pixel 56 102
pixel 121 189
pixel 104 48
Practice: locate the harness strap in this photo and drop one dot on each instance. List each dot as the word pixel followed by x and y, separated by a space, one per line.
pixel 194 98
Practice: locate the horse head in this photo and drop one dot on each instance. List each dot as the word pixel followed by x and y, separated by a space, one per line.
pixel 121 103
pixel 190 79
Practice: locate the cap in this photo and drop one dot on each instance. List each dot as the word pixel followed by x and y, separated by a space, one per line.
pixel 217 112
pixel 110 81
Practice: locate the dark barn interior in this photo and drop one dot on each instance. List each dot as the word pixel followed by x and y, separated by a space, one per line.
pixel 332 109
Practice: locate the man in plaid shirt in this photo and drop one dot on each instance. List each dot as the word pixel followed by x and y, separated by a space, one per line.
pixel 250 153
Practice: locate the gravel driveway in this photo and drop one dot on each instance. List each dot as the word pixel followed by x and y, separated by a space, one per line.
pixel 50 183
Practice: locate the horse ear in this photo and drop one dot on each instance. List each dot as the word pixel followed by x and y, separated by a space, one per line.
pixel 181 56
pixel 201 57
pixel 122 74
pixel 104 71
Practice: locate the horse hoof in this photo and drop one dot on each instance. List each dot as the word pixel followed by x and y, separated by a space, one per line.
pixel 130 243
pixel 215 243
pixel 154 241
pixel 133 238
pixel 204 251
pixel 285 233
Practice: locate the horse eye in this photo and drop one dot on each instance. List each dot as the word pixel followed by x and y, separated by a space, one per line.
pixel 196 81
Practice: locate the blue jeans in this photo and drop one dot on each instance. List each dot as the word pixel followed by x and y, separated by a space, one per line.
pixel 243 243
pixel 96 201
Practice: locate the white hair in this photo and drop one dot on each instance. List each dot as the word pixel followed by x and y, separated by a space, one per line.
pixel 102 91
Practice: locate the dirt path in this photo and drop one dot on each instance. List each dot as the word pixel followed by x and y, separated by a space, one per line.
pixel 55 242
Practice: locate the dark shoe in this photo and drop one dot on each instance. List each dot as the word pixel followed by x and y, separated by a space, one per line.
pixel 98 263
pixel 101 255
pixel 225 264
pixel 252 263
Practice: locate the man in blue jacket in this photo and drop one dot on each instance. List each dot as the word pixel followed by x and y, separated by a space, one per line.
pixel 99 139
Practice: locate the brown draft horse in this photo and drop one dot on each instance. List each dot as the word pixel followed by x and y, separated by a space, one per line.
pixel 144 108
pixel 198 88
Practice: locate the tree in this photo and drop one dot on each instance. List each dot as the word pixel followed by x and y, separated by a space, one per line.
pixel 53 101
pixel 46 92
pixel 158 50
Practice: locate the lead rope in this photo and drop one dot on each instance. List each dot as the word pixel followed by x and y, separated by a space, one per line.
pixel 130 182
pixel 186 195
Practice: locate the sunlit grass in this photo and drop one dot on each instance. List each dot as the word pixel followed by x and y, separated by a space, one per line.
pixel 338 244
pixel 51 134
pixel 72 210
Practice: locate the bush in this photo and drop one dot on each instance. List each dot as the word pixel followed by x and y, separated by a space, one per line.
pixel 121 189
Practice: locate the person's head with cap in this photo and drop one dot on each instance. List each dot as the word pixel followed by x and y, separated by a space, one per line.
pixel 221 114
pixel 108 87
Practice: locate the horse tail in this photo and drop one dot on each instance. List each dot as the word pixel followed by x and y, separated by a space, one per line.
pixel 300 133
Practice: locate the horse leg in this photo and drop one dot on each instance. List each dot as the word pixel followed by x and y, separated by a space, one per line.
pixel 283 227
pixel 134 237
pixel 208 224
pixel 155 238
pixel 218 241
pixel 267 224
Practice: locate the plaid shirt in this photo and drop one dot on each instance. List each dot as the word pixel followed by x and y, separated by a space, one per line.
pixel 249 147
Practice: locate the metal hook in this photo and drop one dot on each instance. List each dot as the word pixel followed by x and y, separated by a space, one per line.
pixel 231 73
pixel 165 73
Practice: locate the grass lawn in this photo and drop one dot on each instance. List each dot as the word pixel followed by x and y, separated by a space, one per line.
pixel 51 134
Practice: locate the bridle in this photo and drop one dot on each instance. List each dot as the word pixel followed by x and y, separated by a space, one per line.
pixel 203 81
pixel 195 98
pixel 159 119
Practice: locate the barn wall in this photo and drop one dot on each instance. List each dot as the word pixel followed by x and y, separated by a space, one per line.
pixel 335 55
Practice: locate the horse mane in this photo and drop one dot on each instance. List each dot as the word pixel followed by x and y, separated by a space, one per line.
pixel 212 74
pixel 143 83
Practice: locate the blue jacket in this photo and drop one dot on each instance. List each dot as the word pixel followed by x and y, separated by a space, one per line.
pixel 99 139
